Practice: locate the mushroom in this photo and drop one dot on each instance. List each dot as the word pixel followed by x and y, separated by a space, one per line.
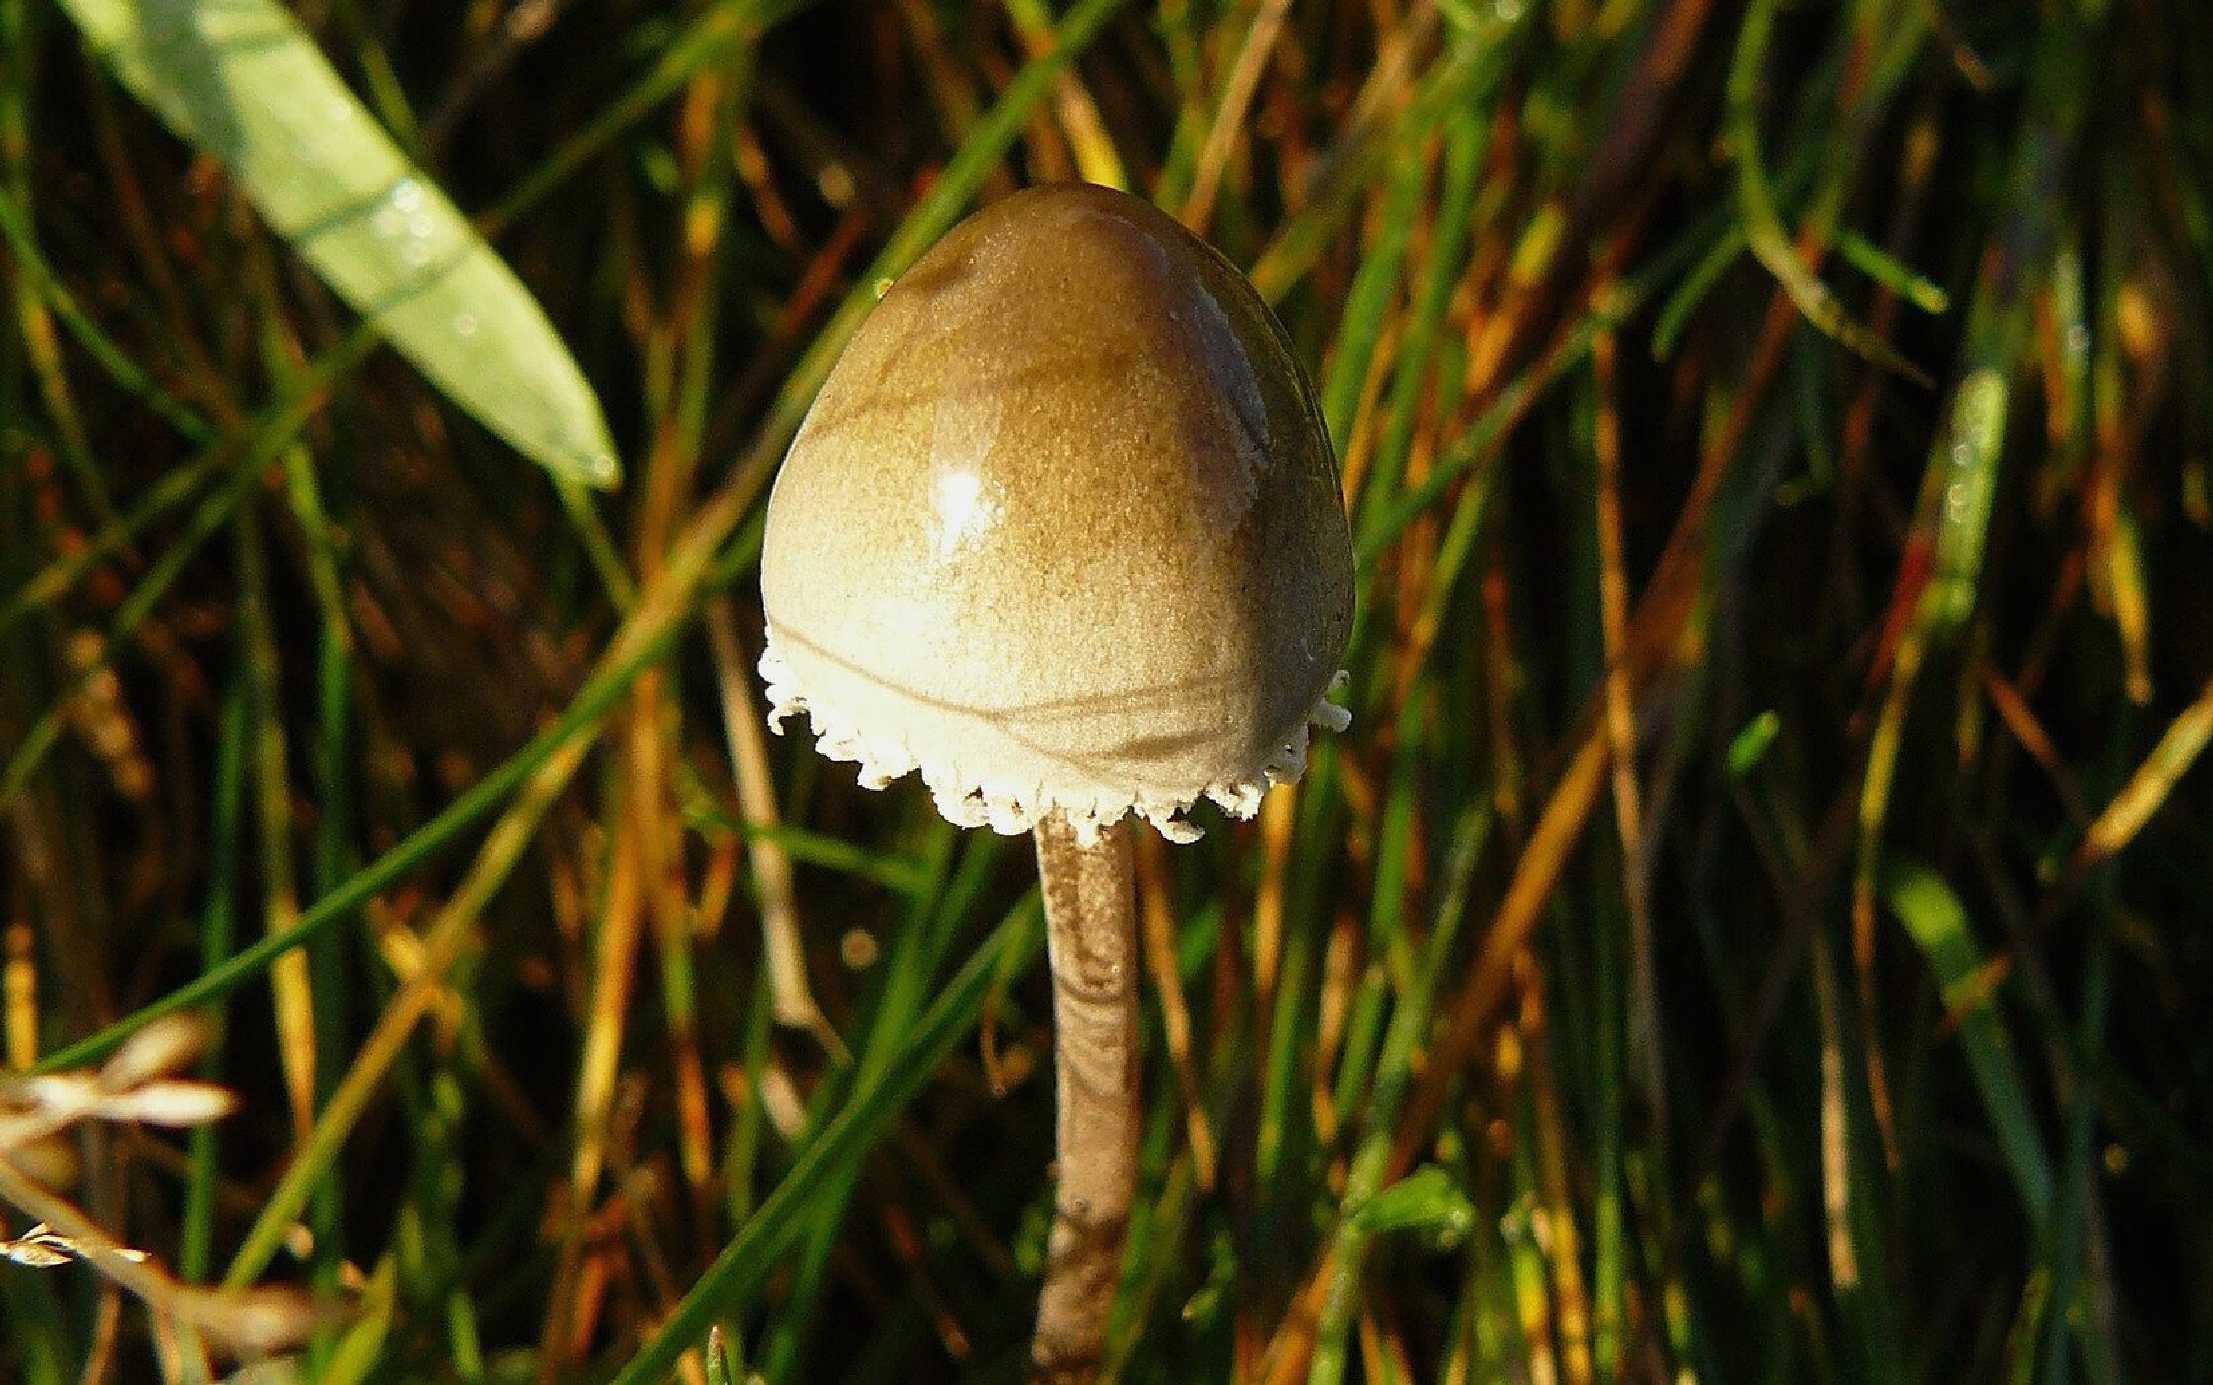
pixel 1063 532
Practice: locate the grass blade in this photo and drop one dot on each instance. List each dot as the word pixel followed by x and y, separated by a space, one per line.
pixel 787 1212
pixel 1937 920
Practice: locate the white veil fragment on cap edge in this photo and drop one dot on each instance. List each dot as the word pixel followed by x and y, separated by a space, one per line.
pixel 1013 809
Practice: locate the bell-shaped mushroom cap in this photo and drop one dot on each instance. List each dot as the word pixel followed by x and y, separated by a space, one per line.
pixel 1062 529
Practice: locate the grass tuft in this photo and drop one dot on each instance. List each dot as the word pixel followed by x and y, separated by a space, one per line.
pixel 1753 929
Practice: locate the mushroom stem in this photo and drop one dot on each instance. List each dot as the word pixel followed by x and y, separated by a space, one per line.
pixel 1091 939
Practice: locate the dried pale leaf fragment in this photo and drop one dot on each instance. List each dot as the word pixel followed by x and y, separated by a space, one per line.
pixel 2148 788
pixel 33 1253
pixel 43 1248
pixel 176 1103
pixel 275 1370
pixel 53 1097
pixel 259 1322
pixel 49 1159
pixel 167 1045
pixel 130 1089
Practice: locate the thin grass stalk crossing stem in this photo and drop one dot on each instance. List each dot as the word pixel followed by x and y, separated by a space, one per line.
pixel 1091 939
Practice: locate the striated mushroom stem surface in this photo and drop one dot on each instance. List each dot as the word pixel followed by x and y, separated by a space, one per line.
pixel 1091 939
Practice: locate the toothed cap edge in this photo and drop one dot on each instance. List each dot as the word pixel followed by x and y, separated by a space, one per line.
pixel 970 800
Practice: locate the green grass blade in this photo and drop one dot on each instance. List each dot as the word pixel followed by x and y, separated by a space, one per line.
pixel 1765 235
pixel 23 761
pixel 217 923
pixel 1364 1183
pixel 787 1212
pixel 1938 923
pixel 1464 148
pixel 1886 269
pixel 1967 470
pixel 480 799
pixel 1369 301
pixel 15 227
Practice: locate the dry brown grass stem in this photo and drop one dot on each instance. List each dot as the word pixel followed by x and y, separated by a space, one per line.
pixel 791 999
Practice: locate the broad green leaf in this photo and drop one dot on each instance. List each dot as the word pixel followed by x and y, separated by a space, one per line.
pixel 244 83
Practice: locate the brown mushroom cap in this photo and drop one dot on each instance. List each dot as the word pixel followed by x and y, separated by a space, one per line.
pixel 1062 529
